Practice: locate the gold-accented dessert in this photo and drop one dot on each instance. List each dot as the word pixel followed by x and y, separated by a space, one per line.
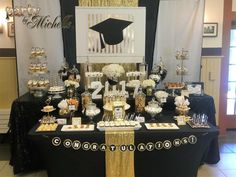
pixel 174 85
pixel 47 127
pixel 48 108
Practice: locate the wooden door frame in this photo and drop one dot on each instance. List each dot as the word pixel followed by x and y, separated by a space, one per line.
pixel 225 121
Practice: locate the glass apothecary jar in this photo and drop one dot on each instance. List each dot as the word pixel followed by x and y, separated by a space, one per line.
pixel 86 97
pixel 140 99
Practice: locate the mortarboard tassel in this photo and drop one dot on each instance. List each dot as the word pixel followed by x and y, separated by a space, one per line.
pixel 102 42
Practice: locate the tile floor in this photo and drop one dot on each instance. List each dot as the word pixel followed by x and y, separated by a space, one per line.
pixel 225 168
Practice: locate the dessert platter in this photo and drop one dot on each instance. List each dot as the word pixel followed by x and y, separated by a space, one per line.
pixel 47 127
pixel 48 109
pixel 161 126
pixel 174 85
pixel 118 125
pixel 56 91
pixel 48 122
pixel 82 127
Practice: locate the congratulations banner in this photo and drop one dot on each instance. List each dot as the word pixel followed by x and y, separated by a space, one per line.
pixel 125 145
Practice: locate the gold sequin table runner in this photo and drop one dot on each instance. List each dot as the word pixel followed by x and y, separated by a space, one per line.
pixel 118 163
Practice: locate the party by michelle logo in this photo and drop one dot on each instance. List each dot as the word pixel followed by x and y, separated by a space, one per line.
pixel 150 146
pixel 33 20
pixel 46 22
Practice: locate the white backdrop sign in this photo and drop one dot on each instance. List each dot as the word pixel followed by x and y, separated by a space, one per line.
pixel 48 38
pixel 110 35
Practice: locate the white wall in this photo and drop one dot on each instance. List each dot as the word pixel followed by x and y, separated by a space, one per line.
pixel 5 41
pixel 233 5
pixel 214 13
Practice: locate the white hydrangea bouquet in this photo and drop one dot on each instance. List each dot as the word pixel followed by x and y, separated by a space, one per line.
pixel 113 72
pixel 148 83
pixel 161 96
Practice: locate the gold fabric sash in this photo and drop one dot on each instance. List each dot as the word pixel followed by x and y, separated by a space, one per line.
pixel 127 3
pixel 118 163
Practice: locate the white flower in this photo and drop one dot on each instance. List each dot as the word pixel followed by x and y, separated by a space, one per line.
pixel 133 83
pixel 148 83
pixel 155 77
pixel 63 104
pixel 161 94
pixel 71 83
pixel 181 101
pixel 113 70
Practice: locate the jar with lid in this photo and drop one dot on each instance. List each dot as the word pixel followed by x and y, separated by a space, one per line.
pixel 140 99
pixel 91 111
pixel 86 97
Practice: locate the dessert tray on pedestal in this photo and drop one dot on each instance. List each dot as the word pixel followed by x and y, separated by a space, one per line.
pixel 161 126
pixel 118 125
pixel 82 127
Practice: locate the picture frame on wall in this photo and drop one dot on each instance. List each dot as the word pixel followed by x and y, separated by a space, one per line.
pixel 195 88
pixel 210 29
pixel 10 29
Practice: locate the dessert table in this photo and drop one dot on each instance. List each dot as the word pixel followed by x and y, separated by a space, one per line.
pixel 26 111
pixel 178 160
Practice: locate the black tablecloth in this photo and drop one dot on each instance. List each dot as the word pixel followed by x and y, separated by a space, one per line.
pixel 26 111
pixel 181 161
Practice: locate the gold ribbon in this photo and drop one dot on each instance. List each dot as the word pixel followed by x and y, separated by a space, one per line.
pixel 114 3
pixel 118 163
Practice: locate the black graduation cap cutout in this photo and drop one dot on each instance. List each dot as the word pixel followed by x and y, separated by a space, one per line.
pixel 112 31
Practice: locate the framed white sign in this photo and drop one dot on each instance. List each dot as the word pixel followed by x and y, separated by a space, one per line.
pixel 110 34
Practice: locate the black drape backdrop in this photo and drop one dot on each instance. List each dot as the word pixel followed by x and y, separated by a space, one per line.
pixel 67 8
pixel 68 34
pixel 151 24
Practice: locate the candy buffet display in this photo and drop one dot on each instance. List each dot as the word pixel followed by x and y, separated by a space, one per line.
pixel 115 100
pixel 38 70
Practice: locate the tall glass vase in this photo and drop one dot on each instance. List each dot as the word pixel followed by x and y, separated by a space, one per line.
pixel 71 91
